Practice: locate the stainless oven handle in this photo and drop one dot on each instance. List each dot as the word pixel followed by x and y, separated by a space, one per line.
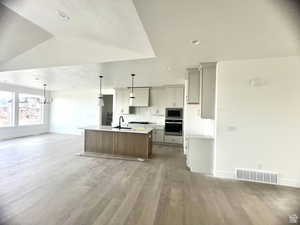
pixel 174 122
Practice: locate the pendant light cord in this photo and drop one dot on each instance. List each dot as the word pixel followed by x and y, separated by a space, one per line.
pixel 132 80
pixel 132 84
pixel 45 100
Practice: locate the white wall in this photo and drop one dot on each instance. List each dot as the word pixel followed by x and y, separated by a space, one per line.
pixel 74 109
pixel 258 126
pixel 20 131
pixel 193 123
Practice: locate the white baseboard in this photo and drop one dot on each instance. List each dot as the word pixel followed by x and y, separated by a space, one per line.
pixel 224 174
pixel 282 181
pixel 289 182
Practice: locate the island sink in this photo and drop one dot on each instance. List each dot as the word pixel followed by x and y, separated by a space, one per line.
pixel 126 128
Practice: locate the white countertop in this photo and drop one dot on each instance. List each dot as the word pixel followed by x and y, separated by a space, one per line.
pixel 137 130
pixel 200 136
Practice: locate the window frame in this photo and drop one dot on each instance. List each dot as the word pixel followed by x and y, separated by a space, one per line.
pixel 13 110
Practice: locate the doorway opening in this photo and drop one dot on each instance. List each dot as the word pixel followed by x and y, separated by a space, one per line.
pixel 107 110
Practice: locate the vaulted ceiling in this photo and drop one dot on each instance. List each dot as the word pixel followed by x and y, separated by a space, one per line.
pixel 78 39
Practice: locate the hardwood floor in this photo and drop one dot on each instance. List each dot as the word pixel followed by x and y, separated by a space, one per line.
pixel 43 182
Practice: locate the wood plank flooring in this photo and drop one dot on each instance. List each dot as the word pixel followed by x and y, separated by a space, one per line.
pixel 43 182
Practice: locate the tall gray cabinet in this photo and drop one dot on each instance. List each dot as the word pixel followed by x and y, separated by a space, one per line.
pixel 201 88
pixel 208 90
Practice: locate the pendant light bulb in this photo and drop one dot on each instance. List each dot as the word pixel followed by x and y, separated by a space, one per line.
pixel 131 95
pixel 101 101
pixel 44 93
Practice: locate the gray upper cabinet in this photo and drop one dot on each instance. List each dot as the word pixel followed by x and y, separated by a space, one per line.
pixel 208 90
pixel 141 97
pixel 201 88
pixel 193 90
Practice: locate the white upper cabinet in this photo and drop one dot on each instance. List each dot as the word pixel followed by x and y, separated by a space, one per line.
pixel 157 101
pixel 141 97
pixel 122 101
pixel 158 98
pixel 174 97
pixel 193 90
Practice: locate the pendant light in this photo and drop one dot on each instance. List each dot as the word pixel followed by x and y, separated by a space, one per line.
pixel 46 100
pixel 131 96
pixel 100 98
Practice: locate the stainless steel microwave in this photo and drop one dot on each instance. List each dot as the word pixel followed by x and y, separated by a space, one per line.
pixel 176 113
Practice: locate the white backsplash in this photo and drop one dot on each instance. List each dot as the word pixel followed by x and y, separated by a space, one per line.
pixel 142 114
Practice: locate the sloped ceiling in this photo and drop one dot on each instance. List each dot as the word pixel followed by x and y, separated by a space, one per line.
pixel 14 34
pixel 92 31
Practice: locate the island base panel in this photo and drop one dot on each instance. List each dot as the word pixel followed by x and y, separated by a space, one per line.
pixel 99 142
pixel 119 143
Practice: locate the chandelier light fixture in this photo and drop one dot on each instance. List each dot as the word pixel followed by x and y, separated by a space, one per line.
pixel 45 99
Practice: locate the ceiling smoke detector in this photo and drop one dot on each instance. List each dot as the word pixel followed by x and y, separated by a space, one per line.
pixel 196 42
pixel 63 15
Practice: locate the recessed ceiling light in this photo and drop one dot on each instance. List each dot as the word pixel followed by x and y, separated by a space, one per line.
pixel 196 42
pixel 63 15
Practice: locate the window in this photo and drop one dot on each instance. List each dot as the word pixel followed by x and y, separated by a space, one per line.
pixel 6 108
pixel 30 109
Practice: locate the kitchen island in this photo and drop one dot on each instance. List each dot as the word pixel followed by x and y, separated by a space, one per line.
pixel 114 142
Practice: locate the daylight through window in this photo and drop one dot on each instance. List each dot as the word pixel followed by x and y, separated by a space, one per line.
pixel 6 108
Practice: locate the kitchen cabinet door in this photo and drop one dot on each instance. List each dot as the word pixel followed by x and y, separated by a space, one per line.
pixel 208 91
pixel 174 97
pixel 122 101
pixel 141 97
pixel 179 97
pixel 200 155
pixel 193 92
pixel 158 135
pixel 173 139
pixel 158 101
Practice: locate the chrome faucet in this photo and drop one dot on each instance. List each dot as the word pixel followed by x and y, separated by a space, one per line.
pixel 121 119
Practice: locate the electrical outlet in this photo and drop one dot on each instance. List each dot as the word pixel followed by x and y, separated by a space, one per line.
pixel 259 166
pixel 231 128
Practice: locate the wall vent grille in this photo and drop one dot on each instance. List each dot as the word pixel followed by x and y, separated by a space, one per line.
pixel 256 176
